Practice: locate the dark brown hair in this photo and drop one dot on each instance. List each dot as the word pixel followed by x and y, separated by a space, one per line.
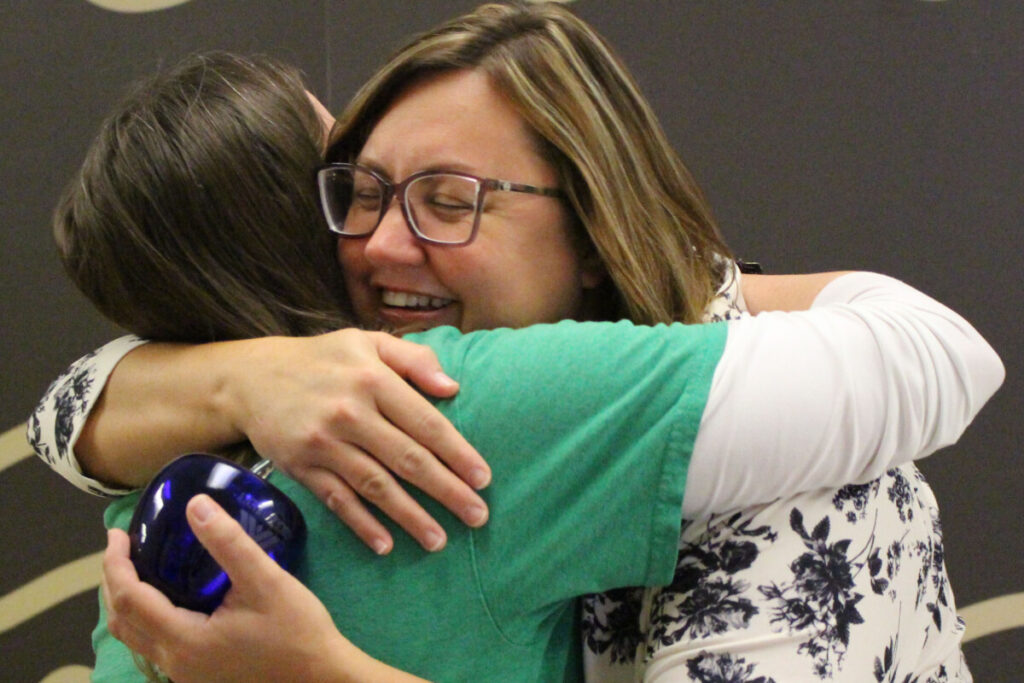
pixel 195 216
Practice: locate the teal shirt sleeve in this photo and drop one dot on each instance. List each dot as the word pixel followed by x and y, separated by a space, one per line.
pixel 114 661
pixel 588 428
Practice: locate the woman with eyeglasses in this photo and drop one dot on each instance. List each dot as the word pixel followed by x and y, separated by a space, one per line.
pixel 628 237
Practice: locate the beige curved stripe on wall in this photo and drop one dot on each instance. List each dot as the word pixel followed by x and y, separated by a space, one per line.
pixel 55 586
pixel 993 616
pixel 136 6
pixel 69 674
pixel 50 589
pixel 13 447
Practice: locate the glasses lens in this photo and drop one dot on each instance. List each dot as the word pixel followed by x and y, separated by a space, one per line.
pixel 443 207
pixel 351 199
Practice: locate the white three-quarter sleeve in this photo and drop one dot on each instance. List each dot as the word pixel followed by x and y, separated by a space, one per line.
pixel 55 424
pixel 875 374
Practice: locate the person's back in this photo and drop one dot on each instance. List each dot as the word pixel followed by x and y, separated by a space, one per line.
pixel 571 501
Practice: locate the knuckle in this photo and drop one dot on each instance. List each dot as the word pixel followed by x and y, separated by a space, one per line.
pixel 425 354
pixel 115 625
pixel 367 379
pixel 338 501
pixel 411 462
pixel 374 486
pixel 314 440
pixel 345 338
pixel 121 606
pixel 310 441
pixel 432 424
pixel 346 411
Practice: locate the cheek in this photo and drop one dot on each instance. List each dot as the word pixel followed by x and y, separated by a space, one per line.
pixel 355 271
pixel 349 253
pixel 502 288
pixel 354 266
pixel 557 293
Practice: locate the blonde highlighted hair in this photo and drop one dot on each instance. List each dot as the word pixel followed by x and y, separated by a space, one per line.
pixel 637 205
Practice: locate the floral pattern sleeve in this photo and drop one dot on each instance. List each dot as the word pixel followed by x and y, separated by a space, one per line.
pixel 55 424
pixel 845 584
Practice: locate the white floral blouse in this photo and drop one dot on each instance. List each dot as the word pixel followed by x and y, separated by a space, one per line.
pixel 841 584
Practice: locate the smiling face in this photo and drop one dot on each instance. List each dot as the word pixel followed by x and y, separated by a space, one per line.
pixel 522 268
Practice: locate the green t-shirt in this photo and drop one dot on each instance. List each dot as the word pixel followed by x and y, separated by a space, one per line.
pixel 588 429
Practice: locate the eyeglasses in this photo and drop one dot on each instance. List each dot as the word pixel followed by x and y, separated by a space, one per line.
pixel 439 207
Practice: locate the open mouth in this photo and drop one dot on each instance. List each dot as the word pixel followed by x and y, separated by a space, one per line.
pixel 416 302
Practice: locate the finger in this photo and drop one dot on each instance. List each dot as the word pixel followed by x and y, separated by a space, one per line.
pixel 369 479
pixel 119 575
pixel 118 549
pixel 415 362
pixel 420 419
pixel 417 417
pixel 138 641
pixel 250 568
pixel 343 502
pixel 137 613
pixel 418 466
pixel 116 552
pixel 403 454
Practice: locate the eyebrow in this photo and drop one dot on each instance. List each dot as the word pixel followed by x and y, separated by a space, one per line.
pixel 452 167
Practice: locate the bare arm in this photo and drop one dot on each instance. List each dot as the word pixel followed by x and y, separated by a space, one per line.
pixel 160 401
pixel 316 406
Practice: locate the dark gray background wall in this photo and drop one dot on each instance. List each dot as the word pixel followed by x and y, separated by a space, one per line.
pixel 871 134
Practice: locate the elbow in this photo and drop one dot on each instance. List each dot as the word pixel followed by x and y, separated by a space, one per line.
pixel 975 372
pixel 984 373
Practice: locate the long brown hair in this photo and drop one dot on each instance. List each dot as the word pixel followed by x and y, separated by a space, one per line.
pixel 195 216
pixel 636 203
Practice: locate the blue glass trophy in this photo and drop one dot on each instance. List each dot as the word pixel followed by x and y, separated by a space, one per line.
pixel 167 554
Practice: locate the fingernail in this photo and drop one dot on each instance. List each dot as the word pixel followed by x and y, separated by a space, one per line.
pixel 475 515
pixel 433 541
pixel 201 508
pixel 479 478
pixel 446 380
pixel 381 547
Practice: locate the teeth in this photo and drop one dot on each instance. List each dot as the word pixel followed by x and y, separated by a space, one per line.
pixel 406 300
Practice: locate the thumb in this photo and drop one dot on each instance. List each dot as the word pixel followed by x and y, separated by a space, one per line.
pixel 245 562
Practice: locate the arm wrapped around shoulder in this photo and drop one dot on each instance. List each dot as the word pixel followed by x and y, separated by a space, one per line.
pixel 874 375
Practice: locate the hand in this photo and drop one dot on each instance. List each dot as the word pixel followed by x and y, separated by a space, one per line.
pixel 336 413
pixel 268 623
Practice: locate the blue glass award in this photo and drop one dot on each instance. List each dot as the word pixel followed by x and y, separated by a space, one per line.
pixel 167 554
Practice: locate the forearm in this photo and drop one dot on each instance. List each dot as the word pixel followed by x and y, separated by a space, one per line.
pixel 323 408
pixel 876 374
pixel 348 664
pixel 160 401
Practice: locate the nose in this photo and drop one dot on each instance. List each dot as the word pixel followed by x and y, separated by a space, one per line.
pixel 393 243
